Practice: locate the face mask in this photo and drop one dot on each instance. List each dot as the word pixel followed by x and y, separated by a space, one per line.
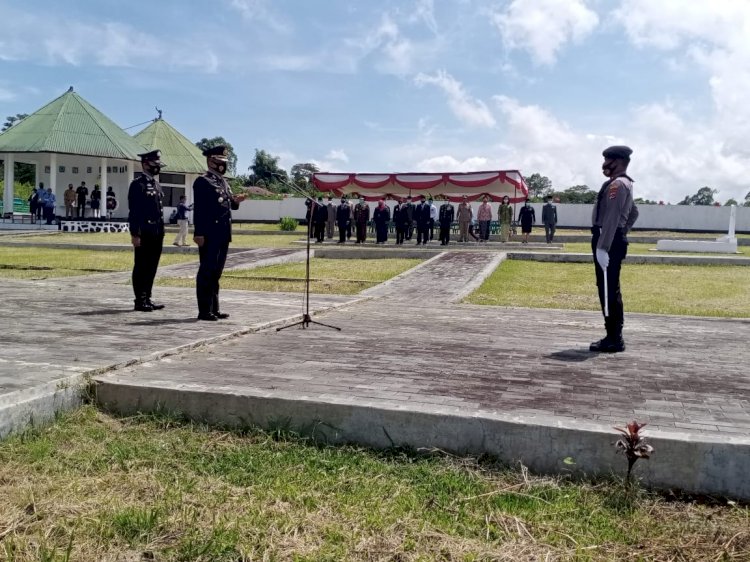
pixel 527 204
pixel 608 169
pixel 153 170
pixel 361 201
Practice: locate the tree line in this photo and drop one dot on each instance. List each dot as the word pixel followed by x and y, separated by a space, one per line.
pixel 540 187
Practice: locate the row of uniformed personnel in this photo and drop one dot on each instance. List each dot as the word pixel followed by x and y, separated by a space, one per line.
pixel 212 218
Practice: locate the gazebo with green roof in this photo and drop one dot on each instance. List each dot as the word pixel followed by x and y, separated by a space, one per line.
pixel 70 141
pixel 184 161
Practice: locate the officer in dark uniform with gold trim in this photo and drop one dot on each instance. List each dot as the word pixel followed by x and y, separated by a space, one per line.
pixel 613 216
pixel 212 216
pixel 146 222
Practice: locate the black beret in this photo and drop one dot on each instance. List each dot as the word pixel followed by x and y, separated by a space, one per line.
pixel 219 151
pixel 153 156
pixel 623 152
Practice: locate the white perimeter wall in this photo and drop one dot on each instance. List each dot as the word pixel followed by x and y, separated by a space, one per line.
pixel 678 217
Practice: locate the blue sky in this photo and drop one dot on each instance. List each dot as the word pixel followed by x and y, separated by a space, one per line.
pixel 412 85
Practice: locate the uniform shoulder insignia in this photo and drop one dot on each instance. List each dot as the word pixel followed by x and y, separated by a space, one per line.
pixel 613 189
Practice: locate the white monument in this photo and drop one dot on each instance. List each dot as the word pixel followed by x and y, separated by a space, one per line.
pixel 722 245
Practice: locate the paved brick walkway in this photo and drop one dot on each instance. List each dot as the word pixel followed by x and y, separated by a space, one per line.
pixel 533 364
pixel 445 278
pixel 54 329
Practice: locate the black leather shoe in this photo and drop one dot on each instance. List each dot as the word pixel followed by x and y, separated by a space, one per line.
pixel 143 306
pixel 599 345
pixel 154 305
pixel 607 345
pixel 208 316
pixel 221 315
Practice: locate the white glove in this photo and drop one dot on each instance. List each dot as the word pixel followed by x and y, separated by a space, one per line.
pixel 603 258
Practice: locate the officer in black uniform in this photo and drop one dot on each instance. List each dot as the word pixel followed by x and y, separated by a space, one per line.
pixel 212 217
pixel 146 221
pixel 613 216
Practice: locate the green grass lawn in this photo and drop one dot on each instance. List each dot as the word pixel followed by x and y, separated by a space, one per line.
pixel 332 276
pixel 662 289
pixel 635 248
pixel 103 488
pixel 30 262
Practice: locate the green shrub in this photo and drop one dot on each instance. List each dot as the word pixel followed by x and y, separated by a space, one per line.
pixel 288 223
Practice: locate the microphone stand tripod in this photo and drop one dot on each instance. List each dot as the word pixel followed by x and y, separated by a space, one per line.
pixel 306 319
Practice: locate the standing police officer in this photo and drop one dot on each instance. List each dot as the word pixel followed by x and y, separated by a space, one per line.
pixel 146 222
pixel 212 217
pixel 613 216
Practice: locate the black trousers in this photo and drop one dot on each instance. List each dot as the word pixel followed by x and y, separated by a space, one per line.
pixel 423 232
pixel 549 232
pixel 400 230
pixel 432 228
pixel 617 252
pixel 81 209
pixel 213 256
pixel 361 231
pixel 409 231
pixel 145 264
pixel 319 230
pixel 342 232
pixel 445 232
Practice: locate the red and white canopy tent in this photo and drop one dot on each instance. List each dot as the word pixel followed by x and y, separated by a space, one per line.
pixel 454 186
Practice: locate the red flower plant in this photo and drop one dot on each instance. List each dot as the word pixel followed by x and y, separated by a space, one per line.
pixel 633 444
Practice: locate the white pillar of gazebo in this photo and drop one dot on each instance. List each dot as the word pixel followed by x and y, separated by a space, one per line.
pixel 103 188
pixel 9 179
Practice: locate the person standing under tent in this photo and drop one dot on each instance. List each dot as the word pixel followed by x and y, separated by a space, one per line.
pixel 484 217
pixel 212 222
pixel 343 219
pixel 505 218
pixel 320 217
pixel 446 216
pixel 613 216
pixel 433 216
pixel 330 217
pixel 146 223
pixel 549 219
pixel 381 217
pixel 408 217
pixel 465 215
pixel 527 217
pixel 398 221
pixel 422 216
pixel 361 218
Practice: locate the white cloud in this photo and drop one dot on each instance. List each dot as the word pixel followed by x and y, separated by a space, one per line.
pixel 424 11
pixel 544 27
pixel 337 155
pixel 258 12
pixel 39 37
pixel 469 110
pixel 707 38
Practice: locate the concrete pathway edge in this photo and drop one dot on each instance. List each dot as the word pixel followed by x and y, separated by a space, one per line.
pixel 684 462
pixel 39 405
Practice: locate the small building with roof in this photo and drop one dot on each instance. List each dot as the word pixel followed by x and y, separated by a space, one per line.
pixel 69 141
pixel 184 161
